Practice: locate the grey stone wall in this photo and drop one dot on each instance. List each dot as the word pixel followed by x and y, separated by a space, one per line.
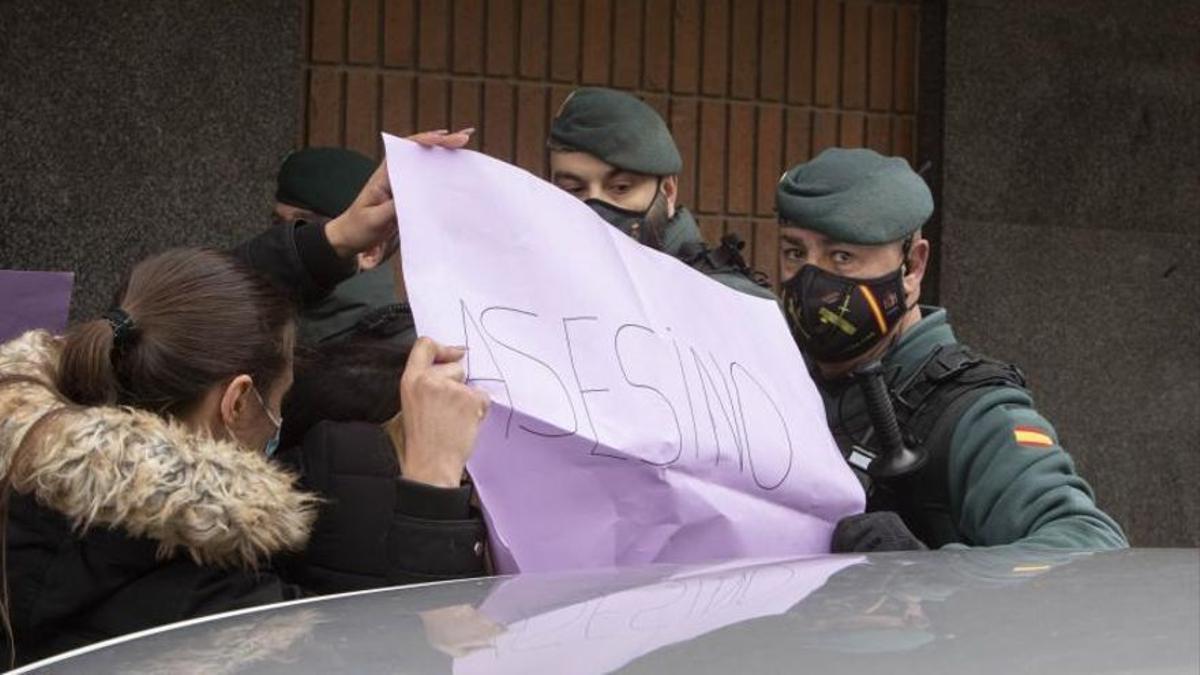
pixel 1071 239
pixel 130 126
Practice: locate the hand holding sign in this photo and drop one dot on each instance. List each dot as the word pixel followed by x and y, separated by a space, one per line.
pixel 441 414
pixel 371 219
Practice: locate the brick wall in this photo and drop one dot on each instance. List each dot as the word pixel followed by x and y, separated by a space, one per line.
pixel 748 87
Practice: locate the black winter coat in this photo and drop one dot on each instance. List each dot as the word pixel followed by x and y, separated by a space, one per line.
pixel 121 520
pixel 427 533
pixel 68 591
pixel 377 528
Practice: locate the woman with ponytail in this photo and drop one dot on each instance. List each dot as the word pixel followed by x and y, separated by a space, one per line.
pixel 137 485
pixel 137 492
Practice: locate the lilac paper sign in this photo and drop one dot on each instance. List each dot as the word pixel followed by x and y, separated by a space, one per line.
pixel 30 300
pixel 642 412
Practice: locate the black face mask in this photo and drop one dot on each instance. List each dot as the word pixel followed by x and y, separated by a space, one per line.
pixel 836 318
pixel 644 227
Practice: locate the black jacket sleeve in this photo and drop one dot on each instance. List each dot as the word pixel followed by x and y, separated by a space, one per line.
pixel 377 528
pixel 297 257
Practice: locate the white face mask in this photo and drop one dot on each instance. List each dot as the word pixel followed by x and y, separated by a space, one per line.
pixel 273 442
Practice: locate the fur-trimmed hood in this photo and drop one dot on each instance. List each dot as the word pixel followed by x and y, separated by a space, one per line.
pixel 133 470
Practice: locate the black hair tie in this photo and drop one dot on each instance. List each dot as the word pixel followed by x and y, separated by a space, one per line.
pixel 122 326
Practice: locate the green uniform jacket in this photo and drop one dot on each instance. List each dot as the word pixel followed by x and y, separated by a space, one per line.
pixel 1001 490
pixel 682 234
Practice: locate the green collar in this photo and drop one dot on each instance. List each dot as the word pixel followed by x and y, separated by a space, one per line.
pixel 933 330
pixel 843 400
pixel 681 231
pixel 340 311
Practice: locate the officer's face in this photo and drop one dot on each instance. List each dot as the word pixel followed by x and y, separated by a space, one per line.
pixel 799 247
pixel 587 177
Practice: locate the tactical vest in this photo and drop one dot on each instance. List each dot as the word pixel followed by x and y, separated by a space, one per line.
pixel 929 404
pixel 726 258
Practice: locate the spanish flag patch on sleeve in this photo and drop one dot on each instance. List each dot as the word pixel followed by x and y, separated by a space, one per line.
pixel 1033 437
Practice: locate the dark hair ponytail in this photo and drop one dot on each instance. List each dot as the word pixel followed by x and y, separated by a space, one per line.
pixel 88 358
pixel 183 321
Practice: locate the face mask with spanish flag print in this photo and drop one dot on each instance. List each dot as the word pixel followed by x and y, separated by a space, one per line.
pixel 836 318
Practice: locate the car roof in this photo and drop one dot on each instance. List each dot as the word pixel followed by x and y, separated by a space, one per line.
pixel 985 610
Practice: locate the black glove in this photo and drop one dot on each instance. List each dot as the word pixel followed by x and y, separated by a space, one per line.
pixel 871 532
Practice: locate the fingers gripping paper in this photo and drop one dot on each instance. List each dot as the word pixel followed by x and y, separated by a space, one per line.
pixel 641 412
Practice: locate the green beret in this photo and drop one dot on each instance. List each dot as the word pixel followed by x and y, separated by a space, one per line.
pixel 617 128
pixel 323 180
pixel 854 196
